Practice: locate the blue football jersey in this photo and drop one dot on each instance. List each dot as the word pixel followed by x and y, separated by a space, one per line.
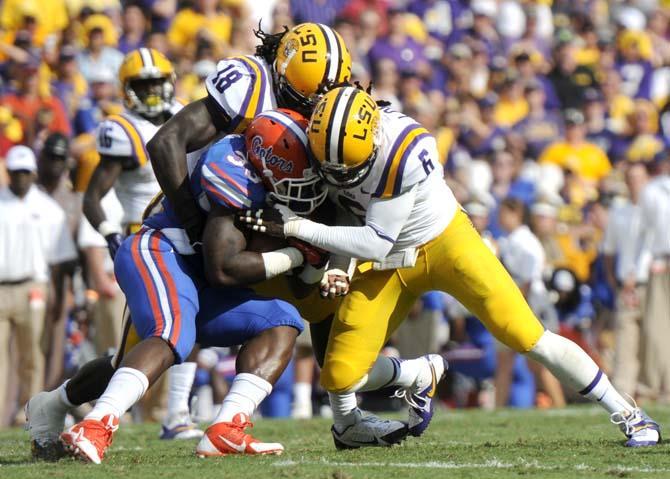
pixel 220 175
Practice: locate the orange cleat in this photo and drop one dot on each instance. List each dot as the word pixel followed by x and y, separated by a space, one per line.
pixel 89 439
pixel 225 438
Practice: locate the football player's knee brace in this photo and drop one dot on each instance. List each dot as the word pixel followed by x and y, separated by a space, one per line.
pixel 340 376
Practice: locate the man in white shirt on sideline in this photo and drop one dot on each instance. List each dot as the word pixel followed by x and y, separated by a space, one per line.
pixel 655 210
pixel 523 256
pixel 34 240
pixel 628 278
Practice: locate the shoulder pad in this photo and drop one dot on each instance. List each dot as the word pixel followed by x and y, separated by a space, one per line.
pixel 228 178
pixel 118 136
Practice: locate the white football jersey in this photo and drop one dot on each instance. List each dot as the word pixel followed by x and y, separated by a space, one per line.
pixel 407 157
pixel 242 88
pixel 125 136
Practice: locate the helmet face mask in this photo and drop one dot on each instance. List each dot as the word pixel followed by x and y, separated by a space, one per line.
pixel 302 195
pixel 149 96
pixel 148 82
pixel 343 177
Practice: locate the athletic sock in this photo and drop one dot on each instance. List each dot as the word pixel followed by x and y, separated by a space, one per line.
pixel 601 391
pixel 64 401
pixel 391 372
pixel 246 393
pixel 302 397
pixel 180 382
pixel 125 388
pixel 575 369
pixel 344 409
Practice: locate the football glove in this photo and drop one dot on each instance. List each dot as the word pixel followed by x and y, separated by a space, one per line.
pixel 114 241
pixel 334 283
pixel 270 221
pixel 314 256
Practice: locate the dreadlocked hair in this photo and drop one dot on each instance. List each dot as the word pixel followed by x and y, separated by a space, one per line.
pixel 269 43
pixel 368 90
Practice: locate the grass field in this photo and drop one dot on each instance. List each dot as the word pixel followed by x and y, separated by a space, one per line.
pixel 572 443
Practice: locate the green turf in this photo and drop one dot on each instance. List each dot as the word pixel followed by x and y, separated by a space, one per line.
pixel 572 443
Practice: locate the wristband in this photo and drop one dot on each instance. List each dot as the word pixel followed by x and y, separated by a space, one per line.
pixel 280 261
pixel 107 228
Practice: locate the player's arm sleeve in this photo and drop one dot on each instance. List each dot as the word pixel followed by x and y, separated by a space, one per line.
pixel 373 241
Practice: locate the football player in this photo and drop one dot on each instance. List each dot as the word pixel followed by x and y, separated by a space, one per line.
pixel 412 237
pixel 147 80
pixel 178 296
pixel 291 70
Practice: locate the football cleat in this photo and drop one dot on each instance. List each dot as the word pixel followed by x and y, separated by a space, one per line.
pixel 180 427
pixel 368 431
pixel 224 438
pixel 639 428
pixel 420 395
pixel 89 439
pixel 45 422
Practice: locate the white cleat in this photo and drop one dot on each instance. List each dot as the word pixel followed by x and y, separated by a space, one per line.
pixel 45 420
pixel 640 429
pixel 180 427
pixel 369 431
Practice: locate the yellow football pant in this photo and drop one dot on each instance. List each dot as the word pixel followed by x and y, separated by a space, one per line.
pixel 456 262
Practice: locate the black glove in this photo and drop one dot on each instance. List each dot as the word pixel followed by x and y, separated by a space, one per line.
pixel 313 255
pixel 114 241
pixel 269 221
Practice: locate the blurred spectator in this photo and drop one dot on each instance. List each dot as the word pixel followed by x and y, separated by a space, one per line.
pixel 97 55
pixel 655 228
pixel 134 28
pixel 398 46
pixel 204 20
pixel 35 240
pixel 628 278
pixel 523 256
pixel 318 11
pixel 576 155
pixel 568 77
pixel 539 127
pixel 425 329
pixel 36 112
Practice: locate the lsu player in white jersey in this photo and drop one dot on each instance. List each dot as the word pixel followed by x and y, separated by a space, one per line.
pixel 147 79
pixel 291 69
pixel 411 236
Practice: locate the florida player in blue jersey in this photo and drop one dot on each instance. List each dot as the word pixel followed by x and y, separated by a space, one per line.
pixel 178 295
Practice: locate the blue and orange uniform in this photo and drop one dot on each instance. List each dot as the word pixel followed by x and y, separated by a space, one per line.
pixel 163 278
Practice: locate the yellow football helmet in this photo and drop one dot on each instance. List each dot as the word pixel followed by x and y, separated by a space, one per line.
pixel 147 79
pixel 344 134
pixel 310 58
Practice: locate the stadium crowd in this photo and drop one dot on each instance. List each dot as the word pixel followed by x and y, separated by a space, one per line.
pixel 552 122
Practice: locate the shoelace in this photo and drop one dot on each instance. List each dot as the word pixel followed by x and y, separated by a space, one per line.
pixel 411 399
pixel 626 421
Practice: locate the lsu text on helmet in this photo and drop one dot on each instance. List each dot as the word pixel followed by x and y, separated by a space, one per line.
pixel 310 57
pixel 344 136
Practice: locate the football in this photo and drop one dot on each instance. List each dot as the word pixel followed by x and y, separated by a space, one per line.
pixel 262 243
